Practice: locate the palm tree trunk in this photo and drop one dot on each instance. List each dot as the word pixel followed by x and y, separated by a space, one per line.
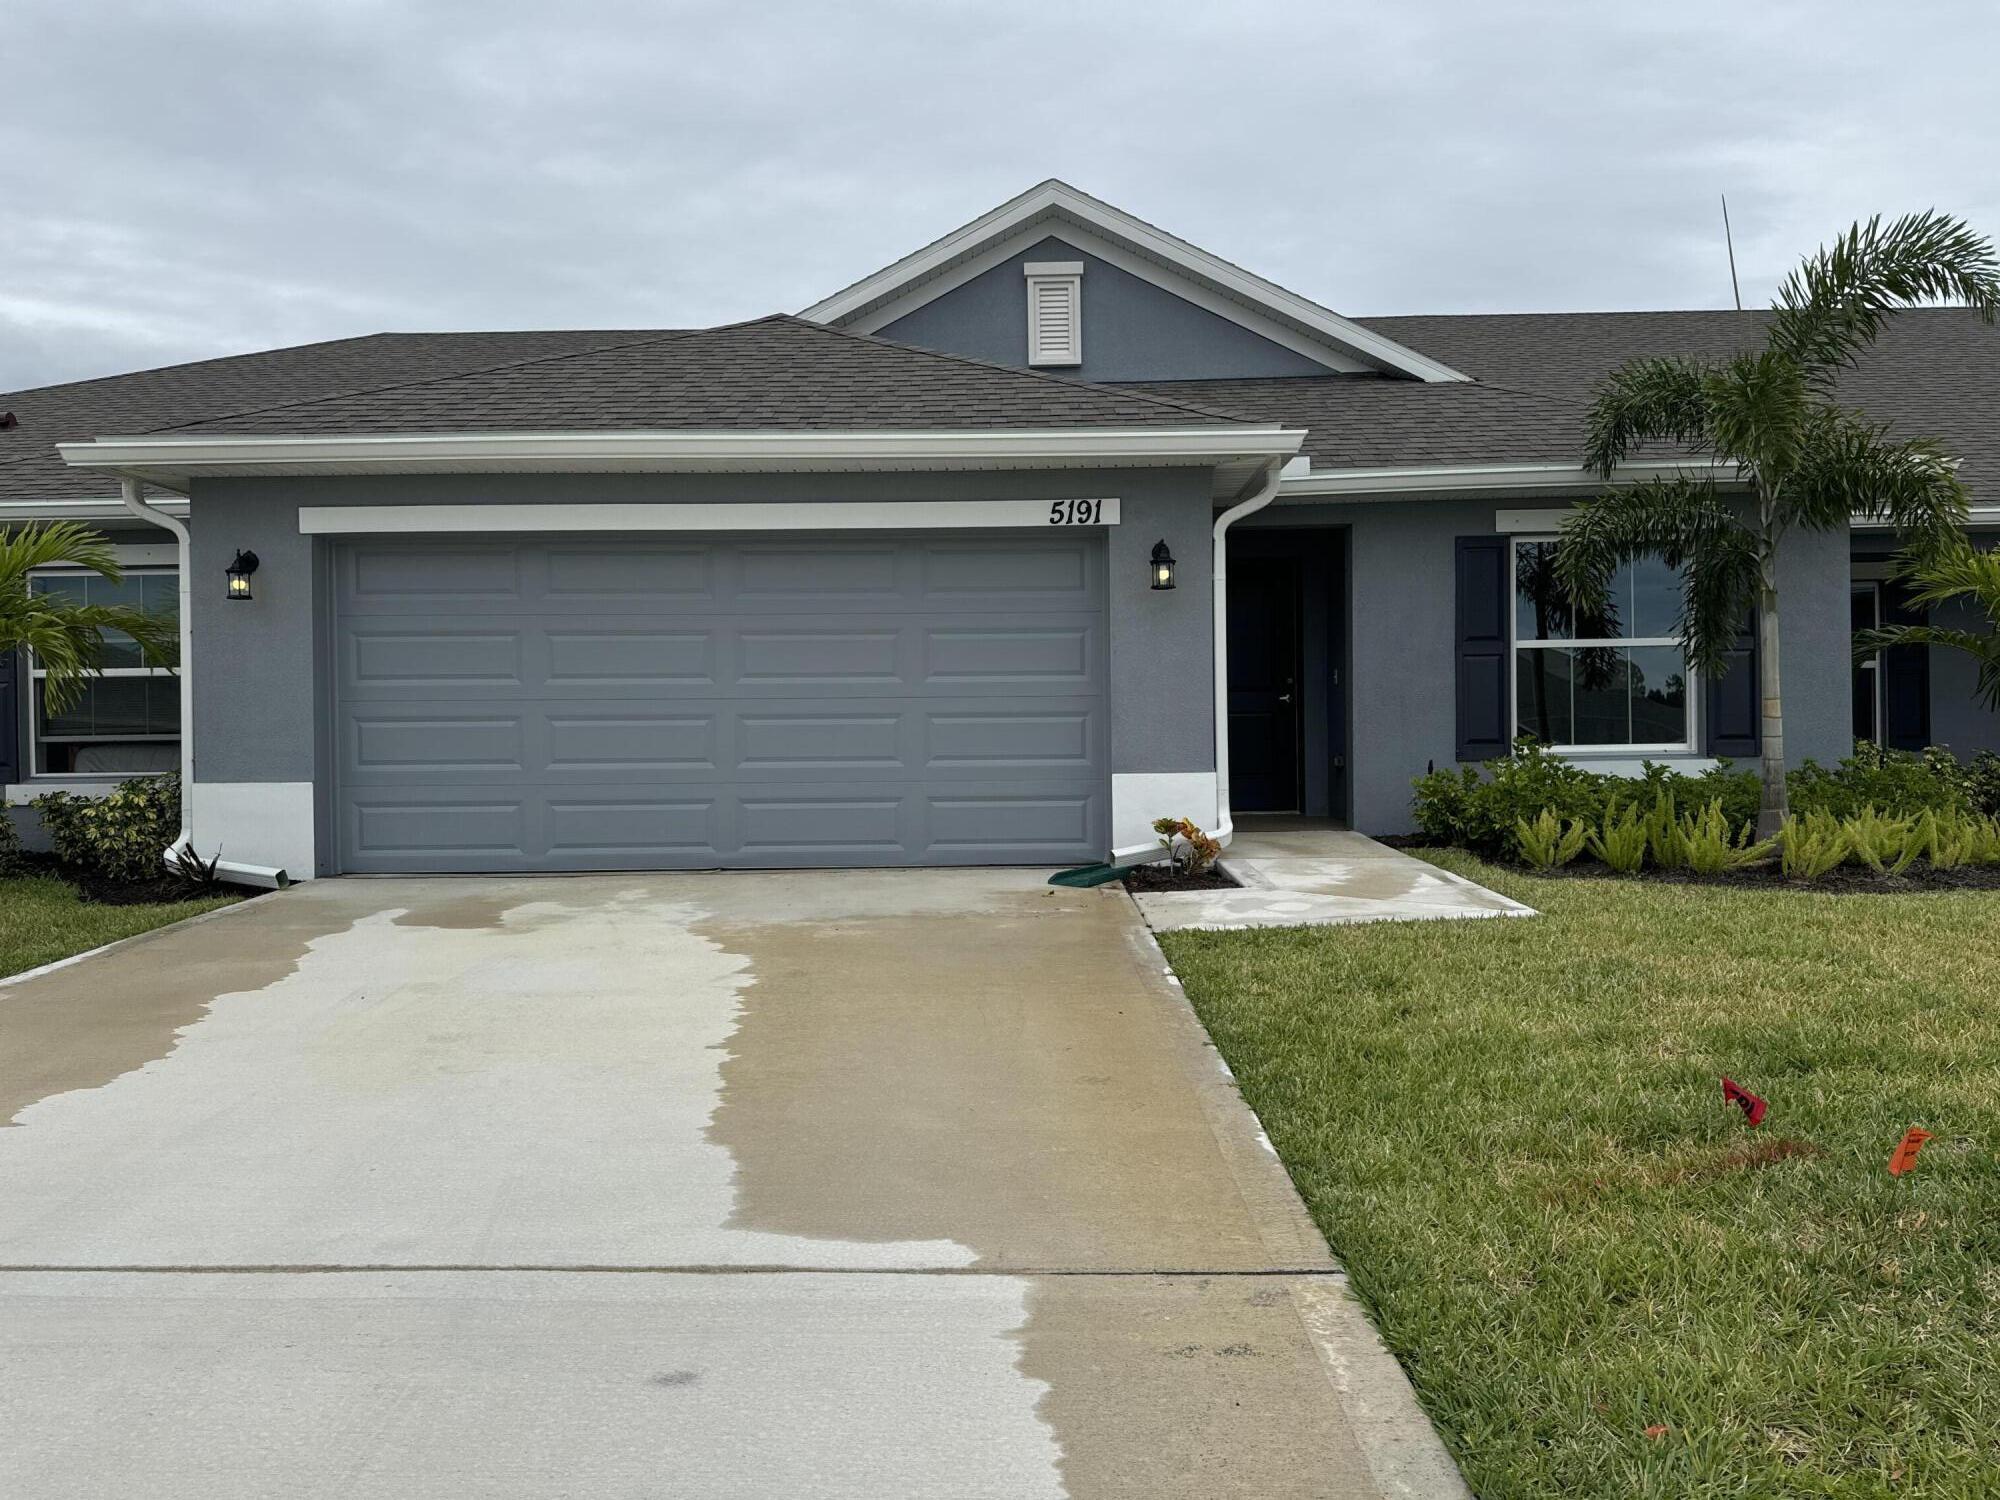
pixel 1775 804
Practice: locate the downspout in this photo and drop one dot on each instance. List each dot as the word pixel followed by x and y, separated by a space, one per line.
pixel 1267 491
pixel 133 494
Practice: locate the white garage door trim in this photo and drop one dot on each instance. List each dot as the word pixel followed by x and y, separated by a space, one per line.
pixel 899 515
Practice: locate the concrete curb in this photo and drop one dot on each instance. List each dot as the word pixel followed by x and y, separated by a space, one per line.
pixel 1403 1451
pixel 127 942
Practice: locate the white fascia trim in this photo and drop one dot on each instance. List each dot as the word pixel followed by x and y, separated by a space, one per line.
pixel 172 461
pixel 1450 479
pixel 111 508
pixel 809 515
pixel 1978 515
pixel 1052 198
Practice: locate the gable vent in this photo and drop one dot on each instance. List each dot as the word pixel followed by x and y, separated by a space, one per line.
pixel 1055 312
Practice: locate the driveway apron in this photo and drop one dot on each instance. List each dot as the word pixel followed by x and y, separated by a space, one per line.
pixel 804 1184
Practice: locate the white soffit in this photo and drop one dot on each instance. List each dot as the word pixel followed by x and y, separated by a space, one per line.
pixel 1165 260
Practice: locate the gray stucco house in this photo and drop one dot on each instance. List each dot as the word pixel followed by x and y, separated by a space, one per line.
pixel 882 583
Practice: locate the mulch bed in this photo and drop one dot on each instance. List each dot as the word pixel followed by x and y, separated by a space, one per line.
pixel 1848 880
pixel 1162 877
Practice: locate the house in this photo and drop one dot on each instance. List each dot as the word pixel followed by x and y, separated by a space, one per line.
pixel 1055 526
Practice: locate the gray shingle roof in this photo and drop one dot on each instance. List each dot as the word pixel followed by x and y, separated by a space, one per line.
pixel 1935 372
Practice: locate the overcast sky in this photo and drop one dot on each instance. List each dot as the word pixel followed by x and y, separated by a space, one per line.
pixel 186 178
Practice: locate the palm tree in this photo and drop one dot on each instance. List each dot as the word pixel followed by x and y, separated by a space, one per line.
pixel 1958 572
pixel 1767 421
pixel 67 638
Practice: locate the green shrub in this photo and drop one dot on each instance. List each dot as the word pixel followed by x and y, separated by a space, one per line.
pixel 1461 808
pixel 1548 842
pixel 119 836
pixel 1621 841
pixel 1665 842
pixel 1896 783
pixel 1888 846
pixel 11 862
pixel 1811 844
pixel 1709 847
pixel 1947 839
pixel 1982 780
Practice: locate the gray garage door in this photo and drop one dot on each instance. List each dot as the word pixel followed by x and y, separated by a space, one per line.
pixel 611 703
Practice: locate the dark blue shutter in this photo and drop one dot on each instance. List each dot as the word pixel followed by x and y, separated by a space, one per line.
pixel 1483 594
pixel 1906 685
pixel 1735 708
pixel 10 718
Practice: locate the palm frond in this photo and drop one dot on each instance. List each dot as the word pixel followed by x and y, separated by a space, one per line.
pixel 1757 404
pixel 1983 646
pixel 1848 467
pixel 1959 571
pixel 1646 400
pixel 53 544
pixel 1832 308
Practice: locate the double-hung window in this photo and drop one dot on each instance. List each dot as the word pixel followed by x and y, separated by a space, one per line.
pixel 1609 680
pixel 126 721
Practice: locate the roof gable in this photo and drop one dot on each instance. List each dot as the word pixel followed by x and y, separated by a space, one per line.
pixel 1134 246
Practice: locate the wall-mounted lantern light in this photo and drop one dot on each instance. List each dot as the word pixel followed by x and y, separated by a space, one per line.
pixel 1162 567
pixel 239 574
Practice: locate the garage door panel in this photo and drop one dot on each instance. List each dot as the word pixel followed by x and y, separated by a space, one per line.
pixel 641 705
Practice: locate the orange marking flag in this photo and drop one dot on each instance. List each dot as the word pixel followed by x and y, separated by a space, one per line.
pixel 1904 1156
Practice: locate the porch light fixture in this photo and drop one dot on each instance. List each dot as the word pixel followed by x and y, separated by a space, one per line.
pixel 239 574
pixel 1162 566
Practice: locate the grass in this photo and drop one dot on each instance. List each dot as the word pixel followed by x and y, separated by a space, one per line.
pixel 43 919
pixel 1601 1281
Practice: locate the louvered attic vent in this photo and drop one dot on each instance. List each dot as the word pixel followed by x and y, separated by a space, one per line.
pixel 1055 312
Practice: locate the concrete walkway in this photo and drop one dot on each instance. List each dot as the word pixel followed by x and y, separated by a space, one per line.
pixel 862 1185
pixel 1308 877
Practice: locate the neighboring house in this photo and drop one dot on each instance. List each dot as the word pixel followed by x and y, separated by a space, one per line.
pixel 877 584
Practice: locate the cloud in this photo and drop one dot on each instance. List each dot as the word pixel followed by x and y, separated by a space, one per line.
pixel 193 178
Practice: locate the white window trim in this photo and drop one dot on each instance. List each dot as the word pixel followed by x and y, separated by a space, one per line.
pixel 1877 679
pixel 1515 646
pixel 92 782
pixel 1066 278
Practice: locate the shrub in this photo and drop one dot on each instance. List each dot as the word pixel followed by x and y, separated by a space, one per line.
pixel 1548 841
pixel 1811 844
pixel 1190 849
pixel 1896 783
pixel 119 836
pixel 1621 842
pixel 11 861
pixel 1982 780
pixel 1946 838
pixel 1709 847
pixel 1665 841
pixel 1888 846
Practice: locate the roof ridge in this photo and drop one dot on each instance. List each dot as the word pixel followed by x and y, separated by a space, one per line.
pixel 195 364
pixel 666 336
pixel 1069 382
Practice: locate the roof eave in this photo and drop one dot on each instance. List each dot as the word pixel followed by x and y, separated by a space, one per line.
pixel 1438 481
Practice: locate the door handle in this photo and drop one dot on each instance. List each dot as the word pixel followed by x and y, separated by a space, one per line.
pixel 1284 697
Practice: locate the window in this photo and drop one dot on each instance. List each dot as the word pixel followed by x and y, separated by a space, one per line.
pixel 1613 680
pixel 1865 613
pixel 1055 312
pixel 126 722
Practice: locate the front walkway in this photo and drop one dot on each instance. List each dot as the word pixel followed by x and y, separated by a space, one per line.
pixel 920 1183
pixel 1308 877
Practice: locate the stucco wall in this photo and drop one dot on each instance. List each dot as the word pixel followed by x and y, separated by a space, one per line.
pixel 1132 330
pixel 1402 649
pixel 258 702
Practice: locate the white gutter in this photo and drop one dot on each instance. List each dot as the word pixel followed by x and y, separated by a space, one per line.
pixel 133 496
pixel 1267 491
pixel 171 461
pixel 1458 478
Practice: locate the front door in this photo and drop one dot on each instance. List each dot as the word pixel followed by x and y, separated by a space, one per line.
pixel 1264 667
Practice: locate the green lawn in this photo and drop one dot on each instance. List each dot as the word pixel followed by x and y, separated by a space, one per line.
pixel 42 919
pixel 1513 1134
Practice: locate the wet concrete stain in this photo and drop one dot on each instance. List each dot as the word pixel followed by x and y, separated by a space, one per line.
pixel 997 1077
pixel 84 1026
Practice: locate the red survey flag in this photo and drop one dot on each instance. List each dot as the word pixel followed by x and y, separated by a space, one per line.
pixel 1753 1107
pixel 1904 1156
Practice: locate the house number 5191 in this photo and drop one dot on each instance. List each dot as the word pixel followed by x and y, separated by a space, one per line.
pixel 1076 512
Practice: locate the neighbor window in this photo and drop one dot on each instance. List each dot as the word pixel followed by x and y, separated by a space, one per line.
pixel 1614 679
pixel 126 722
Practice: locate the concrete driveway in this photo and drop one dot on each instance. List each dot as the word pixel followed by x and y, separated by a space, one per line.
pixel 872 1184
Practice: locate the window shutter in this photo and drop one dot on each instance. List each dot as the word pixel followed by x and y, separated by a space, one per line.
pixel 10 719
pixel 1906 685
pixel 1483 596
pixel 1055 313
pixel 1735 726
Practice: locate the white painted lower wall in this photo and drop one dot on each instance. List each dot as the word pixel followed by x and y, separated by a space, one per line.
pixel 1138 797
pixel 256 823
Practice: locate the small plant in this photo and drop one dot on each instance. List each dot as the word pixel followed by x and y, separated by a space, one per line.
pixel 11 861
pixel 1666 843
pixel 118 836
pixel 1709 848
pixel 1888 846
pixel 192 869
pixel 1621 842
pixel 1947 839
pixel 1810 845
pixel 1189 849
pixel 1548 842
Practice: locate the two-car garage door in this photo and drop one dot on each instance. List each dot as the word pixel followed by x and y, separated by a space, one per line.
pixel 584 703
